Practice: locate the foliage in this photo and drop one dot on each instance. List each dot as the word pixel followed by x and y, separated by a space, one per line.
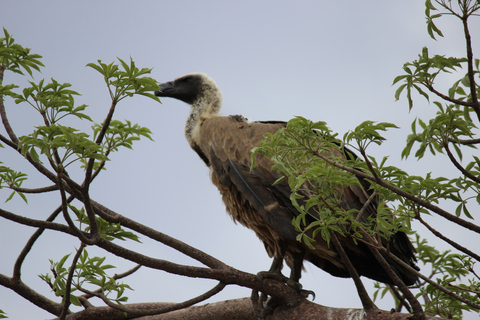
pixel 60 146
pixel 313 159
pixel 316 162
pixel 87 271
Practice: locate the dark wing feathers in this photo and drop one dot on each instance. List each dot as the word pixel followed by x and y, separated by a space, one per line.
pixel 253 200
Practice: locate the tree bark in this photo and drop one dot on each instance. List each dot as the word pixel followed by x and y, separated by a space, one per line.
pixel 241 309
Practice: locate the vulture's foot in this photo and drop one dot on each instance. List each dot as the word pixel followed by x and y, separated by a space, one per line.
pixel 288 281
pixel 261 308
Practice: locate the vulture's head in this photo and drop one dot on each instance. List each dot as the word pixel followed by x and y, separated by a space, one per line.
pixel 194 89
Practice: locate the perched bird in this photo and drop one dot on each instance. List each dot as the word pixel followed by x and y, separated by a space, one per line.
pixel 224 143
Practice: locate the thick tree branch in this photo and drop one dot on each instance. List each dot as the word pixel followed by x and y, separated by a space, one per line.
pixel 178 245
pixel 242 309
pixel 31 295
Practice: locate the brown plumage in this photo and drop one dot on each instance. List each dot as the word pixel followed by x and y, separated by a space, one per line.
pixel 225 144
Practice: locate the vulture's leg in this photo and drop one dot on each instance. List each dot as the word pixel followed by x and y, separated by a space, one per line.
pixel 258 302
pixel 275 271
pixel 296 273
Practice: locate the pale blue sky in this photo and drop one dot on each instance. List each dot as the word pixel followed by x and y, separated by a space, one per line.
pixel 324 60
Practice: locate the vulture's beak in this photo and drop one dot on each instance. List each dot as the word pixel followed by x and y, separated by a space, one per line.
pixel 165 88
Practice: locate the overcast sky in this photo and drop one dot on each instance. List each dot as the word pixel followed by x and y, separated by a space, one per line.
pixel 325 60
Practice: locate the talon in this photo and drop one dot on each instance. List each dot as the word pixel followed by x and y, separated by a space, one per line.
pixel 258 303
pixel 307 293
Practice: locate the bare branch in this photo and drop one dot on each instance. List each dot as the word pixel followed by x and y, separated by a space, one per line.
pixel 35 223
pixel 35 190
pixel 459 166
pixel 447 240
pixel 178 245
pixel 3 115
pixel 28 246
pixel 471 73
pixel 136 312
pixel 367 303
pixel 68 284
pixel 416 306
pixel 31 295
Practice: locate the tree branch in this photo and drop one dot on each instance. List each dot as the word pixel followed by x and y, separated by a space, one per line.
pixel 416 306
pixel 459 166
pixel 137 312
pixel 68 284
pixel 28 246
pixel 471 74
pixel 3 115
pixel 176 244
pixel 367 303
pixel 242 309
pixel 447 240
pixel 35 223
pixel 31 295
pixel 400 192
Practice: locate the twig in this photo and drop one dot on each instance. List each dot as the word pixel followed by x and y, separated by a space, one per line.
pixel 35 223
pixel 400 192
pixel 430 281
pixel 35 190
pixel 459 166
pixel 3 114
pixel 115 277
pixel 447 240
pixel 367 303
pixel 70 223
pixel 28 246
pixel 416 306
pixel 68 284
pixel 470 72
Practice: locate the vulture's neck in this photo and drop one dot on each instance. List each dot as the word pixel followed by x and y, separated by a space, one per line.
pixel 206 106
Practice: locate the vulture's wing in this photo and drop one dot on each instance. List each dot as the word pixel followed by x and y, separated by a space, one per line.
pixel 227 143
pixel 253 200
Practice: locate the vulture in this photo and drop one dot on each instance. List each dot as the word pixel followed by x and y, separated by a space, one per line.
pixel 252 197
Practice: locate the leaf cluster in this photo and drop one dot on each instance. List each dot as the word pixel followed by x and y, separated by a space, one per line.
pixel 90 274
pixel 12 179
pixel 53 101
pixel 16 58
pixel 450 271
pixel 61 146
pixel 107 230
pixel 127 80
